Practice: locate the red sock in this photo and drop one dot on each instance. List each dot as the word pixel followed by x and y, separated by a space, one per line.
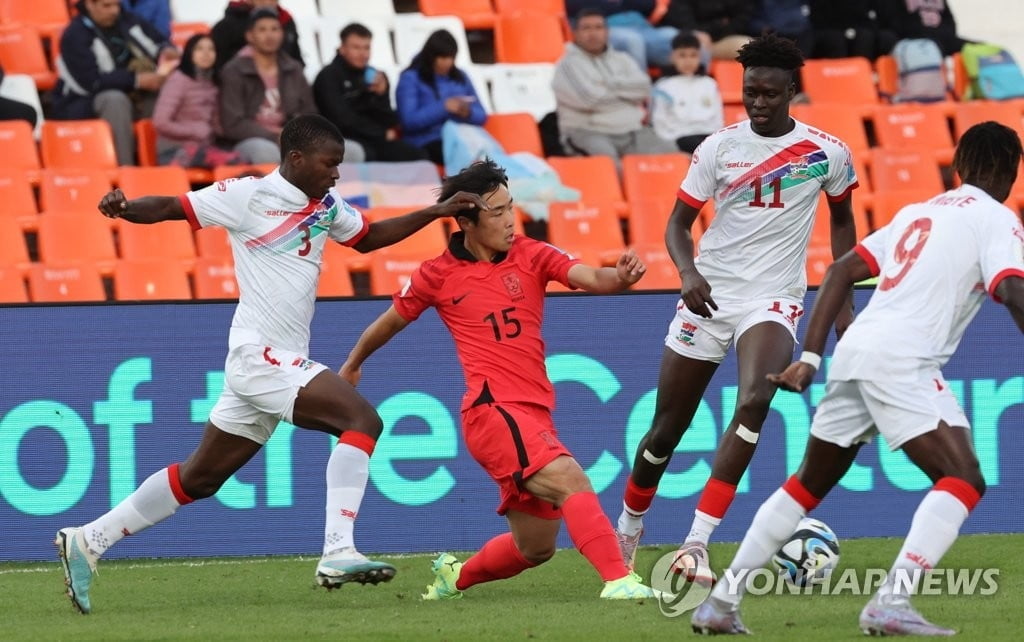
pixel 638 499
pixel 802 496
pixel 592 534
pixel 716 498
pixel 499 558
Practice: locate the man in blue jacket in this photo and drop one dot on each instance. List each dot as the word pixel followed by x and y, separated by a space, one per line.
pixel 111 66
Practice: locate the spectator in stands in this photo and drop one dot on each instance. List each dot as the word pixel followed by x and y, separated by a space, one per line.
pixel 262 88
pixel 923 19
pixel 187 114
pixel 850 28
pixel 432 91
pixel 630 29
pixel 356 98
pixel 229 34
pixel 788 18
pixel 686 108
pixel 723 26
pixel 111 66
pixel 600 94
pixel 11 109
pixel 155 12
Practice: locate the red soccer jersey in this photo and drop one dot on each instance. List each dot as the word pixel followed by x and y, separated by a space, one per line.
pixel 494 312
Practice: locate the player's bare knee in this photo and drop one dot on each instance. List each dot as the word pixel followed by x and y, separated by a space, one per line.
pixel 368 422
pixel 752 406
pixel 663 438
pixel 537 555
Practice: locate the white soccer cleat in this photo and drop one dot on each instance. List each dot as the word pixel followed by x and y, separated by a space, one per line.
pixel 897 617
pixel 349 565
pixel 708 620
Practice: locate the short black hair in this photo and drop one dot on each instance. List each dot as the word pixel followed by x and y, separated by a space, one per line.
pixel 355 29
pixel 307 131
pixel 259 14
pixel 685 40
pixel 481 177
pixel 988 154
pixel 588 12
pixel 771 50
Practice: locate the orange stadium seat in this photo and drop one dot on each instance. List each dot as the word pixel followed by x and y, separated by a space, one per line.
pixel 63 191
pixel 425 244
pixel 914 126
pixel 594 176
pixel 733 114
pixel 966 115
pixel 65 282
pixel 168 241
pixel 581 225
pixel 648 221
pixel 729 76
pixel 901 170
pixel 654 177
pixel 13 251
pixel 21 52
pixel 888 75
pixel 213 243
pixel 45 14
pixel 16 196
pixel 215 279
pixel 390 271
pixel 661 271
pixel 19 147
pixel 836 120
pixel 886 204
pixel 475 14
pixel 182 31
pixel 234 171
pixel 847 81
pixel 150 281
pixel 76 237
pixel 335 279
pixel 78 144
pixel 12 285
pixel 819 249
pixel 169 180
pixel 145 143
pixel 516 132
pixel 528 37
pixel 549 7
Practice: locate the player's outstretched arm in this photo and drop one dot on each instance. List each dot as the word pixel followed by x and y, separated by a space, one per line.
pixel 843 231
pixel 695 291
pixel 832 297
pixel 148 209
pixel 628 270
pixel 1011 292
pixel 393 230
pixel 374 337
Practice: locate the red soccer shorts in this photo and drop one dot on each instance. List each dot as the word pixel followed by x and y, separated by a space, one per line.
pixel 512 441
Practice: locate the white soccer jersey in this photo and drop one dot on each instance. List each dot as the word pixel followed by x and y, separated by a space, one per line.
pixel 936 260
pixel 277 237
pixel 766 196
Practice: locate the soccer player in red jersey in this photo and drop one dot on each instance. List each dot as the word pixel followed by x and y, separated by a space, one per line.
pixel 935 261
pixel 488 288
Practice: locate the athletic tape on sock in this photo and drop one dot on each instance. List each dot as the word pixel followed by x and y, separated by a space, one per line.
pixel 657 461
pixel 746 434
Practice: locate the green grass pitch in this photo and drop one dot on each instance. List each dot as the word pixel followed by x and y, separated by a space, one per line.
pixel 274 598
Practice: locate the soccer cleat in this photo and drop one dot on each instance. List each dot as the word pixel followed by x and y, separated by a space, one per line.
pixel 708 620
pixel 630 587
pixel 628 545
pixel 79 565
pixel 897 617
pixel 349 565
pixel 693 562
pixel 446 573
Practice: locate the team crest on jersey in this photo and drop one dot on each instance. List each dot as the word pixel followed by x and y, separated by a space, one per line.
pixel 686 332
pixel 512 284
pixel 798 167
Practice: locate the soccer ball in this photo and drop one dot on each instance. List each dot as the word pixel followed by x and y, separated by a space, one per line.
pixel 810 555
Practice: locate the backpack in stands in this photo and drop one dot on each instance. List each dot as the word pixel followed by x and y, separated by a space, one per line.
pixel 922 75
pixel 992 71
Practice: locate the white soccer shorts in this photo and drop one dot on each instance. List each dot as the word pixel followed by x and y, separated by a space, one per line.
pixel 691 335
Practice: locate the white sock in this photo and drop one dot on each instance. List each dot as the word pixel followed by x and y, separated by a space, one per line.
pixel 774 522
pixel 936 525
pixel 152 502
pixel 347 472
pixel 702 528
pixel 630 523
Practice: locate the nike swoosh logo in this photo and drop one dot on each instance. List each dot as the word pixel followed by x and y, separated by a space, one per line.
pixel 458 299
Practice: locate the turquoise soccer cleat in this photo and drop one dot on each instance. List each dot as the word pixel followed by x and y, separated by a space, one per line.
pixel 79 565
pixel 349 565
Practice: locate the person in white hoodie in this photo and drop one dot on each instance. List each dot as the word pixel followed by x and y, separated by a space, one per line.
pixel 686 108
pixel 601 94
